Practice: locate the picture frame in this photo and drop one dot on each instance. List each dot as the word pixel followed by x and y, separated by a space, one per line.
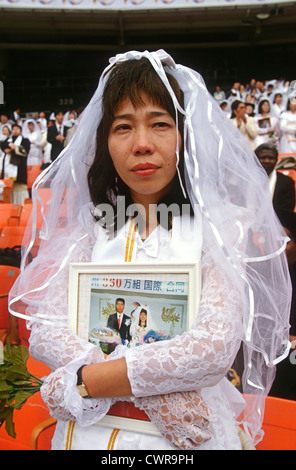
pixel 264 123
pixel 160 302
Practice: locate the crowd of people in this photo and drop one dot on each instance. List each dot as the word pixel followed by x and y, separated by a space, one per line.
pixel 33 140
pixel 265 112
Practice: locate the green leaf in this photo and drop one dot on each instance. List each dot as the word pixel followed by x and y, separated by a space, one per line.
pixel 18 371
pixel 4 387
pixel 20 355
pixel 21 397
pixel 4 366
pixel 3 410
pixel 7 352
pixel 9 424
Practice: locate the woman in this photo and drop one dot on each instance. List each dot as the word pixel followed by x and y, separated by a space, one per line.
pixel 267 125
pixel 277 106
pixel 288 127
pixel 245 124
pixel 152 134
pixel 32 132
pixel 141 323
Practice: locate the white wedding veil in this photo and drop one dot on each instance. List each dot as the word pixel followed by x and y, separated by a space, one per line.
pixel 223 177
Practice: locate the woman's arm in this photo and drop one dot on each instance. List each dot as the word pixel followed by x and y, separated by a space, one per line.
pixel 251 128
pixel 108 379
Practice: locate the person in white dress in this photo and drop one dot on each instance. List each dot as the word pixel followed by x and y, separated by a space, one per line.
pixel 245 124
pixel 288 127
pixel 154 136
pixel 32 132
pixel 277 105
pixel 142 323
pixel 267 125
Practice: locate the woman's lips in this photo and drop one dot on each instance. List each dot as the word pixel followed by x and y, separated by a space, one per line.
pixel 145 169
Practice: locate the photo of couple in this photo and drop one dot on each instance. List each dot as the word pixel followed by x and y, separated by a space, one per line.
pixel 133 314
pixel 133 329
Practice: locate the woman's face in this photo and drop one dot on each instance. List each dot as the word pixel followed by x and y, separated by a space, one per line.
pixel 265 107
pixel 5 131
pixel 240 110
pixel 142 143
pixel 31 127
pixel 249 109
pixel 143 316
pixel 293 105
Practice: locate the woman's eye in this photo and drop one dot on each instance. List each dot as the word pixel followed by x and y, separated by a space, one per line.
pixel 122 127
pixel 162 124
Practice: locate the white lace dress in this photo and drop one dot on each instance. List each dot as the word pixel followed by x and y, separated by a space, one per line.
pixel 197 360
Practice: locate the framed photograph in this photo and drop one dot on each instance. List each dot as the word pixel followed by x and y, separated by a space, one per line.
pixel 264 123
pixel 131 304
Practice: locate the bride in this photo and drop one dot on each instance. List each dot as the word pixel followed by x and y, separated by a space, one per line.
pixel 141 323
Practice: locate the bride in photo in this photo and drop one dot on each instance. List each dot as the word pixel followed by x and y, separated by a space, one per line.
pixel 141 323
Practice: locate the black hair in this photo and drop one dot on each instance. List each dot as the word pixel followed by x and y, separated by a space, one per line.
pixel 269 147
pixel 145 311
pixel 130 80
pixel 261 104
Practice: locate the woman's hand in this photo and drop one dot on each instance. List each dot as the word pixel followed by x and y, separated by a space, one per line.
pixel 182 418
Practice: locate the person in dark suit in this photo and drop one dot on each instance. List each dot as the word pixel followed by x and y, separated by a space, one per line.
pixel 56 135
pixel 16 149
pixel 283 198
pixel 282 188
pixel 120 322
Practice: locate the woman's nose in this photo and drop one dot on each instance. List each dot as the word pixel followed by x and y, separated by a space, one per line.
pixel 143 144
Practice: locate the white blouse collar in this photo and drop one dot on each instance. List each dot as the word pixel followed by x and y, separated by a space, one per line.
pixel 181 244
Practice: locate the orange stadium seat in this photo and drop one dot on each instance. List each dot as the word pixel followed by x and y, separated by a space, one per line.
pixel 27 212
pixel 32 173
pixel 279 425
pixel 11 236
pixel 10 214
pixel 8 275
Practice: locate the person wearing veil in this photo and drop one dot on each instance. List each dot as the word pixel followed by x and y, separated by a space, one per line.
pixel 153 141
pixel 142 322
pixel 267 125
pixel 32 132
pixel 277 105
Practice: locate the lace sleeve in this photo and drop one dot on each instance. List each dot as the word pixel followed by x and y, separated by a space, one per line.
pixel 64 352
pixel 200 357
pixel 54 346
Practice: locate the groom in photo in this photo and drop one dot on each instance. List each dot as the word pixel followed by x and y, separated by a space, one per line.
pixel 120 322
